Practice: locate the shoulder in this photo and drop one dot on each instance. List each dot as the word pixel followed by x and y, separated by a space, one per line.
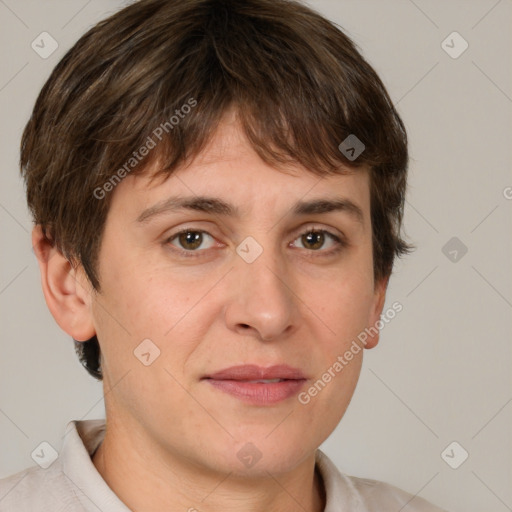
pixel 379 496
pixel 36 489
pixel 364 495
pixel 22 489
pixel 68 484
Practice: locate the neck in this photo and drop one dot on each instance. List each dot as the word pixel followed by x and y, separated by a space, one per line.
pixel 144 480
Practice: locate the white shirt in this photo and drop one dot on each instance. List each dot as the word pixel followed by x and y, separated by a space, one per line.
pixel 72 484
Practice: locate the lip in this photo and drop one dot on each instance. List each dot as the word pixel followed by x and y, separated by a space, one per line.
pixel 236 382
pixel 254 372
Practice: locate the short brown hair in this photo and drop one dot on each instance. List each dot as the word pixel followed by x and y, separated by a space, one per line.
pixel 297 82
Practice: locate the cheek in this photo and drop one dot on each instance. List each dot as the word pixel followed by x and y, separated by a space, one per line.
pixel 141 302
pixel 343 302
pixel 140 298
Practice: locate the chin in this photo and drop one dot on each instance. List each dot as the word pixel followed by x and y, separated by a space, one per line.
pixel 258 457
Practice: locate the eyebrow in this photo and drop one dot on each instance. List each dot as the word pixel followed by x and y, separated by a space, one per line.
pixel 216 206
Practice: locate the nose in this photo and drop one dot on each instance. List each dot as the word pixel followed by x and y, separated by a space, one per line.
pixel 261 302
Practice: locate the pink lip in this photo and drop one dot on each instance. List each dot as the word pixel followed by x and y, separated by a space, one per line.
pixel 234 381
pixel 254 372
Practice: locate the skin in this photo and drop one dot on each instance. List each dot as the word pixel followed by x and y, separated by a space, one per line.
pixel 172 439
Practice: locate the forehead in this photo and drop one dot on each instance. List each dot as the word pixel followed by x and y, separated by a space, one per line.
pixel 229 168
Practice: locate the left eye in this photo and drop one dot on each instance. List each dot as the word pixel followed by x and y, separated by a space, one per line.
pixel 315 239
pixel 190 240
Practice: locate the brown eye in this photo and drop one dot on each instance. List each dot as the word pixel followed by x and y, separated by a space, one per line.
pixel 314 240
pixel 189 240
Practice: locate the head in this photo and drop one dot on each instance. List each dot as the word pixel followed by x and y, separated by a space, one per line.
pixel 239 110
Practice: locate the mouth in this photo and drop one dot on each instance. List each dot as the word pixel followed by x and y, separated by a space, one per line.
pixel 258 385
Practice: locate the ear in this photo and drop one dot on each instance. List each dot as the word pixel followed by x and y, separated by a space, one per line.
pixel 378 304
pixel 67 291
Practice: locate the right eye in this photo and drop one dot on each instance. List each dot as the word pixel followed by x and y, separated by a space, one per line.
pixel 189 241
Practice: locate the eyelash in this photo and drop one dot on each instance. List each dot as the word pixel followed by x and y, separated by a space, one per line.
pixel 340 242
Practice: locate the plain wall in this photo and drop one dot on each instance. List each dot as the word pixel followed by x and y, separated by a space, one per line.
pixel 442 371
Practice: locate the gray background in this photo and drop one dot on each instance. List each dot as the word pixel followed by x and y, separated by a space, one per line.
pixel 442 371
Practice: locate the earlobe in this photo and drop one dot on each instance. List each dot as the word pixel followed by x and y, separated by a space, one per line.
pixel 377 307
pixel 66 292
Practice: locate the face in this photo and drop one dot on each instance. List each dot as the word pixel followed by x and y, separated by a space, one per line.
pixel 258 277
